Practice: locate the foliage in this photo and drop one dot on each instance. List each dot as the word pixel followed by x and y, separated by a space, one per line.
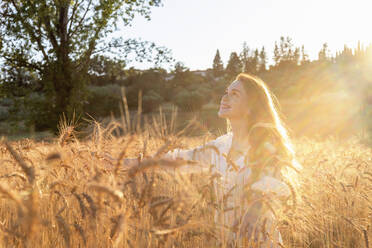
pixel 4 113
pixel 151 101
pixel 234 65
pixel 35 109
pixel 55 40
pixel 103 100
pixel 217 65
pixel 104 70
pixel 294 79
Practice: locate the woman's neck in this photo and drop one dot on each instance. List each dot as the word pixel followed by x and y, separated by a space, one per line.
pixel 240 130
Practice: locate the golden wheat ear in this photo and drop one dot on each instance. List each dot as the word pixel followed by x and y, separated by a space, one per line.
pixel 66 129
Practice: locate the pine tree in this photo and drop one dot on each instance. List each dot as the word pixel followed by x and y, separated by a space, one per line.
pixel 304 56
pixel 255 62
pixel 251 65
pixel 244 56
pixel 286 49
pixel 282 50
pixel 277 55
pixel 217 65
pixel 262 60
pixel 234 66
pixel 296 56
pixel 323 53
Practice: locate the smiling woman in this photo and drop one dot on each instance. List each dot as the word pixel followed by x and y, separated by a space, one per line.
pixel 253 159
pixel 256 162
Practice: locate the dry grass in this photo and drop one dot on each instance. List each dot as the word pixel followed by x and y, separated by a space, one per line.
pixel 77 193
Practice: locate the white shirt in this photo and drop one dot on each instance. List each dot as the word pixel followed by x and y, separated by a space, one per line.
pixel 208 155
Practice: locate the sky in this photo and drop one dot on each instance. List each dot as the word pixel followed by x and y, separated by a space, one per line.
pixel 194 29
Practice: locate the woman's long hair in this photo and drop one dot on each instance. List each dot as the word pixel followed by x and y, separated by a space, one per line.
pixel 267 126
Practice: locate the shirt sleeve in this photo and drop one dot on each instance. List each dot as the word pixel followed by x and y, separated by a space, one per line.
pixel 205 154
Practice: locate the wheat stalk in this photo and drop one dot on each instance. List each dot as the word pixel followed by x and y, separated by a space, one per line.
pixel 28 170
pixel 64 230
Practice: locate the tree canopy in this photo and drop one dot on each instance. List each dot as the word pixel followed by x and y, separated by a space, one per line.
pixel 56 40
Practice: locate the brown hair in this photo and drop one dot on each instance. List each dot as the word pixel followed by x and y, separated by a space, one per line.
pixel 267 124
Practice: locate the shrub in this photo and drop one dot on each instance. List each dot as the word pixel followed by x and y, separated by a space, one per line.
pixel 151 101
pixel 102 100
pixel 7 102
pixel 4 113
pixel 35 110
pixel 191 99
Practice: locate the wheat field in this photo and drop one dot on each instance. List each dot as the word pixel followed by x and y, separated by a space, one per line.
pixel 76 192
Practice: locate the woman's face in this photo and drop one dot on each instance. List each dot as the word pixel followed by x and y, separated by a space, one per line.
pixel 234 103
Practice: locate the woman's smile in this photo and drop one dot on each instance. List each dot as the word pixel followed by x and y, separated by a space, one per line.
pixel 224 106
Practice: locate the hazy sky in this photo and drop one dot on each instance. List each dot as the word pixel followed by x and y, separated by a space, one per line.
pixel 194 29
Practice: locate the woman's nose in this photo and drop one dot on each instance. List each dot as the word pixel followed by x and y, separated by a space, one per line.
pixel 225 97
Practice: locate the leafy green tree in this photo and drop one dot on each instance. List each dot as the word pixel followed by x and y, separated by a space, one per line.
pixel 181 76
pixel 103 100
pixel 145 81
pixel 192 98
pixel 57 39
pixel 151 100
pixel 217 65
pixel 104 70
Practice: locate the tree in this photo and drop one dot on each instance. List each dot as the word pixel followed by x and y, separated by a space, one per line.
pixel 277 56
pixel 245 57
pixel 323 54
pixel 234 65
pixel 217 65
pixel 296 56
pixel 253 63
pixel 286 48
pixel 104 70
pixel 304 56
pixel 57 39
pixel 263 60
pixel 285 55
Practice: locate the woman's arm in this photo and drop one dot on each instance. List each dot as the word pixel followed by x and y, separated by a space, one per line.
pixel 198 155
pixel 201 156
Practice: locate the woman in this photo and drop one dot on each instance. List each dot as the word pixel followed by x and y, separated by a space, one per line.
pixel 250 157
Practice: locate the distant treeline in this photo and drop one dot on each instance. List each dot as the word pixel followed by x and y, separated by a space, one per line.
pixel 292 77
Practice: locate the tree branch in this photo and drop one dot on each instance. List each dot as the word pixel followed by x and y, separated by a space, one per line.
pixel 81 20
pixel 32 34
pixel 23 63
pixel 50 33
pixel 76 6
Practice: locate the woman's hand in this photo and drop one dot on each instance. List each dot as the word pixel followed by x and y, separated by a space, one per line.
pixel 129 162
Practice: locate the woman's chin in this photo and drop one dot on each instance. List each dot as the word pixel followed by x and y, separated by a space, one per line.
pixel 223 113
